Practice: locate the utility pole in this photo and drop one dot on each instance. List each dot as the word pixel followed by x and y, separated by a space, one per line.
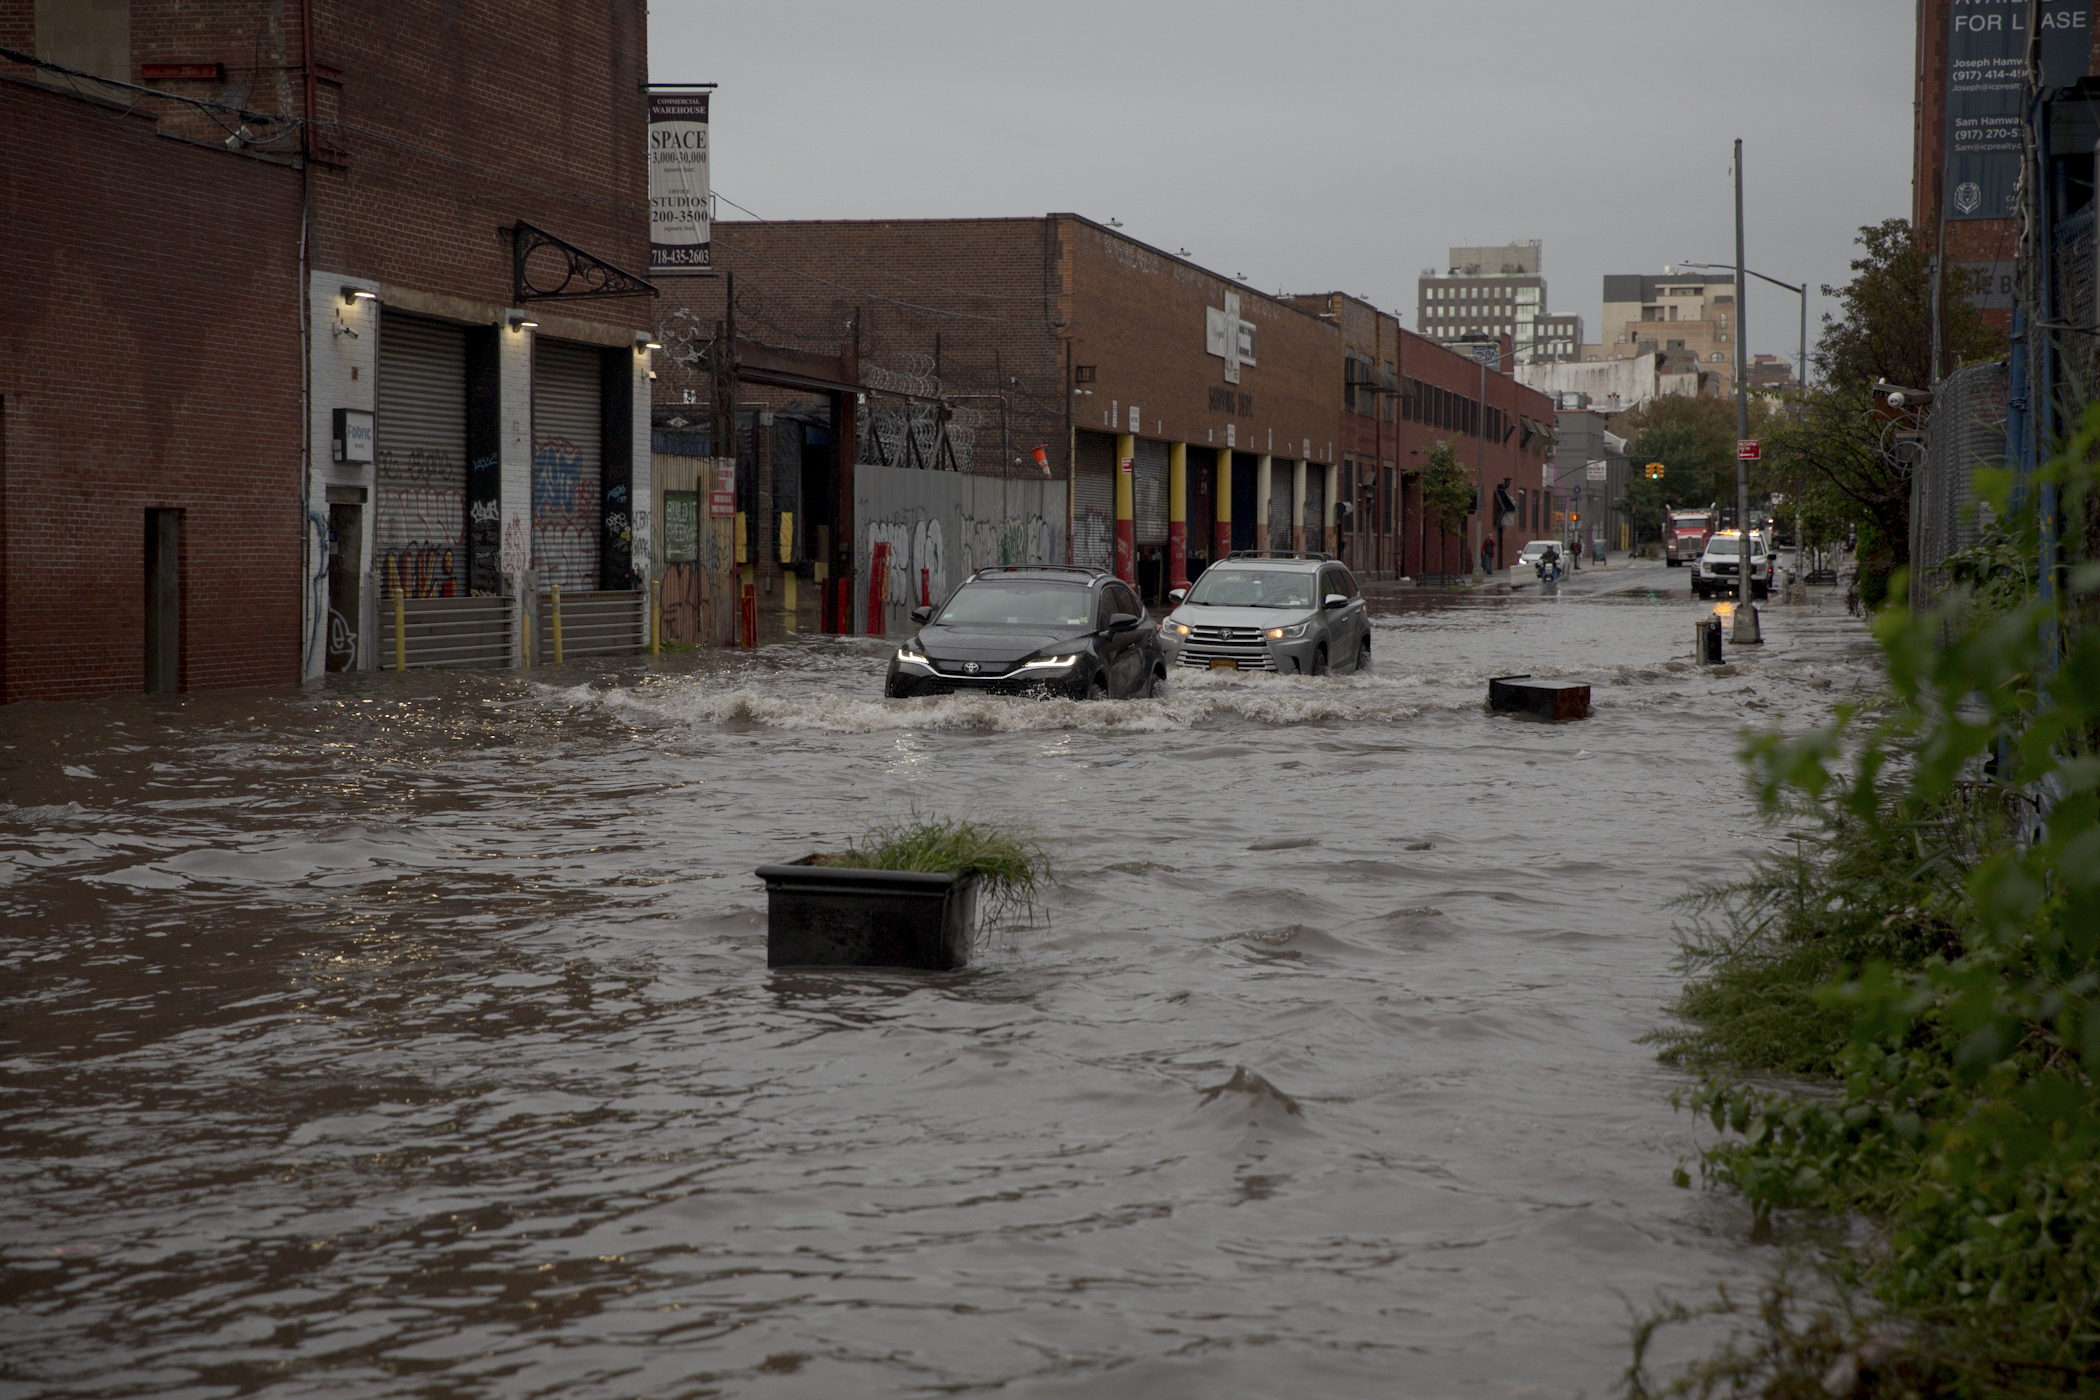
pixel 1746 630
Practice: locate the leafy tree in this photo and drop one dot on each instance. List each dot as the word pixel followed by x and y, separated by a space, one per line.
pixel 1694 439
pixel 1884 326
pixel 1843 468
pixel 1448 496
pixel 1645 500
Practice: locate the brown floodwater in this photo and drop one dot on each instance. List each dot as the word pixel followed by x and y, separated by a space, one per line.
pixel 414 1036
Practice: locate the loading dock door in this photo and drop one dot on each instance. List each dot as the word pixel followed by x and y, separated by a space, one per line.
pixel 567 464
pixel 1149 493
pixel 1094 501
pixel 419 536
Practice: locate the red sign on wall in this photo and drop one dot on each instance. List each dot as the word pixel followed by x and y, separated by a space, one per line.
pixel 1747 450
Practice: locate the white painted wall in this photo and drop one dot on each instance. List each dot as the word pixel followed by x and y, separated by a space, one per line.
pixel 343 366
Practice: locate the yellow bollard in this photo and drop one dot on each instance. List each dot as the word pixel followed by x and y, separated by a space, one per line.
pixel 656 616
pixel 400 635
pixel 557 624
pixel 787 599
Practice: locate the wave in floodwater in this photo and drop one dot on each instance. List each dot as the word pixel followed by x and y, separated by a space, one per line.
pixel 413 1036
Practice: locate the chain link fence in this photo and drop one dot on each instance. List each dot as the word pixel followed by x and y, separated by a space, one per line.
pixel 1967 431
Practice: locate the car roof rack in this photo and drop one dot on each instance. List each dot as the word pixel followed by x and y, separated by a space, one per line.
pixel 1281 554
pixel 1090 570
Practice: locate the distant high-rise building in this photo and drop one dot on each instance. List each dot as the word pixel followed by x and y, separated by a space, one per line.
pixel 1686 317
pixel 1488 292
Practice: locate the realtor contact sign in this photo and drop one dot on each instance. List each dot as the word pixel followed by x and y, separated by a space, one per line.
pixel 678 191
pixel 1986 71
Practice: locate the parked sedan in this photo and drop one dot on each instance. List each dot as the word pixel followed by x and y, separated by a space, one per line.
pixel 1033 629
pixel 1270 610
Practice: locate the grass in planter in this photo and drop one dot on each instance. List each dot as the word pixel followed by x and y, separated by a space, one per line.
pixel 1010 867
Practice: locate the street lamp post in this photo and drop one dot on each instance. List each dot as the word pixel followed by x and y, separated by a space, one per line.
pixel 1487 354
pixel 1800 291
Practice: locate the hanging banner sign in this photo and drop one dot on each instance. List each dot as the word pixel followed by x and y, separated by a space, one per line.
pixel 678 189
pixel 1986 67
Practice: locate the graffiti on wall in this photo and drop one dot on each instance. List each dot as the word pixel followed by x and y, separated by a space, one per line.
pixel 684 598
pixel 420 546
pixel 517 541
pixel 565 524
pixel 919 551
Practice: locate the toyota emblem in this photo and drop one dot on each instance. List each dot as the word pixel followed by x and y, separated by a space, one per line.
pixel 970 667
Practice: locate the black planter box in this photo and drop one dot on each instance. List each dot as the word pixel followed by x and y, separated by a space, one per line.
pixel 827 916
pixel 1549 700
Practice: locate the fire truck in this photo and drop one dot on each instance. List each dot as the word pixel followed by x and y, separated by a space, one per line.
pixel 1685 535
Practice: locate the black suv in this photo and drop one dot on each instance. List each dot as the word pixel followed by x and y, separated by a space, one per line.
pixel 1024 629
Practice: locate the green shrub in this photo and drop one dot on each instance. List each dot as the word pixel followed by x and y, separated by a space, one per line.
pixel 1011 869
pixel 1931 952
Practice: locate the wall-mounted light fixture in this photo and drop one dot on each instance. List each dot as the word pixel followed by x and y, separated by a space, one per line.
pixel 644 341
pixel 353 295
pixel 518 322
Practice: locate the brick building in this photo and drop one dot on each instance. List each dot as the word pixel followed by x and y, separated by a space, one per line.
pixel 1957 221
pixel 1192 414
pixel 149 406
pixel 474 432
pixel 1402 393
pixel 1188 411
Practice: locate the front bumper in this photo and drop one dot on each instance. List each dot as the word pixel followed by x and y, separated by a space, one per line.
pixel 909 679
pixel 1247 650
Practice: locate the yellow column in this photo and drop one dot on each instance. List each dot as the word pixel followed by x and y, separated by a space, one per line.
pixel 1126 518
pixel 1222 499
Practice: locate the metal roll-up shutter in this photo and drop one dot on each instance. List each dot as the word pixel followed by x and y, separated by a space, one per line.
pixel 1148 486
pixel 1316 505
pixel 1094 501
pixel 419 529
pixel 567 470
pixel 1280 490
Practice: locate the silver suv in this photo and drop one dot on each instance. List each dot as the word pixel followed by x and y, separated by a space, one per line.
pixel 1270 610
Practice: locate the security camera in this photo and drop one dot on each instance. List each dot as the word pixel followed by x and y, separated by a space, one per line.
pixel 1896 400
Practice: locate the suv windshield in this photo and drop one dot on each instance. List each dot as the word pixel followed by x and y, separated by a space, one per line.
pixel 1026 604
pixel 1227 587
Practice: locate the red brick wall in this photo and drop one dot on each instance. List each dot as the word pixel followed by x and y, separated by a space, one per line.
pixel 145 363
pixel 456 120
pixel 1137 316
pixel 987 288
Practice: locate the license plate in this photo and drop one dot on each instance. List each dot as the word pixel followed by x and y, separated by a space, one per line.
pixel 1221 663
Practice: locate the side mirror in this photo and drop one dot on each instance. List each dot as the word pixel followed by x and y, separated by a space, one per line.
pixel 1337 600
pixel 1177 596
pixel 1122 622
pixel 921 613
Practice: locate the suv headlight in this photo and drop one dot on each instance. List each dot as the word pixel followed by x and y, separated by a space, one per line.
pixel 1051 663
pixel 1180 629
pixel 1284 634
pixel 910 656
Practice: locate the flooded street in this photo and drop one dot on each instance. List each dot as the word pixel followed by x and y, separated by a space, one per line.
pixel 414 1037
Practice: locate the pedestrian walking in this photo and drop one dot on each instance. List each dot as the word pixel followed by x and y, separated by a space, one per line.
pixel 1487 555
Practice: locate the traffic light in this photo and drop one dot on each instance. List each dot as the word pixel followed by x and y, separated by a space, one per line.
pixel 1575 518
pixel 1655 471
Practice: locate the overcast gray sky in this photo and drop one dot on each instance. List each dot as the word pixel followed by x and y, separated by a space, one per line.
pixel 1331 146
